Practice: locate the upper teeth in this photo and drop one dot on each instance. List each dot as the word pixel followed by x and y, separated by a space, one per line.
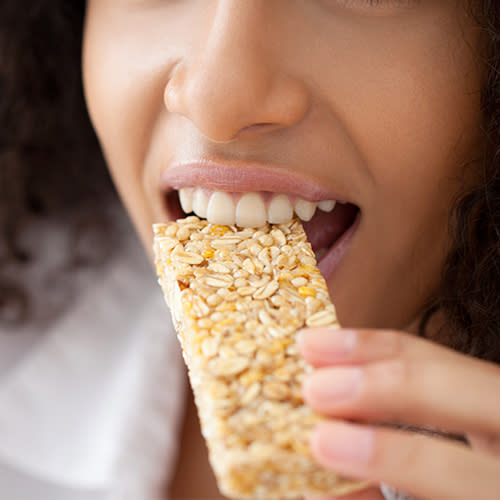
pixel 247 209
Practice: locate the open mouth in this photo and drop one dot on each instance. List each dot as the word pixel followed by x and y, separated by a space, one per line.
pixel 325 222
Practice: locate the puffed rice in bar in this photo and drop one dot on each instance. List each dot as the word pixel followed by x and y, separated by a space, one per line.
pixel 238 297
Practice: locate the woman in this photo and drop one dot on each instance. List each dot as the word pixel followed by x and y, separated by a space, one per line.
pixel 390 109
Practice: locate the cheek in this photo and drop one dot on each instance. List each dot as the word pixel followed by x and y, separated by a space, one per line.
pixel 124 93
pixel 433 122
pixel 414 116
pixel 122 105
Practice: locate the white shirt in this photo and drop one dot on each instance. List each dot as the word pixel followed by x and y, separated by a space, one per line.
pixel 92 403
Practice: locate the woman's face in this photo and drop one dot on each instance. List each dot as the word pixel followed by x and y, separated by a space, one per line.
pixel 315 100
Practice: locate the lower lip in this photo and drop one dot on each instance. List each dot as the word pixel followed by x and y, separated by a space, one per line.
pixel 331 260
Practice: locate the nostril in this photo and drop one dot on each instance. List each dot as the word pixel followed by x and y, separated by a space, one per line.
pixel 257 128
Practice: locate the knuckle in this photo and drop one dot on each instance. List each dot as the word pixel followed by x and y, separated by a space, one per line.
pixel 386 387
pixel 392 378
pixel 397 341
pixel 396 454
pixel 383 344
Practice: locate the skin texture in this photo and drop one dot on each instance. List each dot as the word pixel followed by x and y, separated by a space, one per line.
pixel 378 103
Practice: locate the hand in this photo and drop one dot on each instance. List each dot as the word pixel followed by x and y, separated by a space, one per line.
pixel 394 377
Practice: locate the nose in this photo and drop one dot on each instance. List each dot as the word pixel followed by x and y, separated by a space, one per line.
pixel 236 83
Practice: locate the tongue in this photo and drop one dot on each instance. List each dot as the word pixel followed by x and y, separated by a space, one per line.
pixel 326 227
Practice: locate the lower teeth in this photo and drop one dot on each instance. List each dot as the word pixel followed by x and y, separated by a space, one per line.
pixel 319 253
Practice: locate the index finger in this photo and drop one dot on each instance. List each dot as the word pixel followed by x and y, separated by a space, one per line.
pixel 339 346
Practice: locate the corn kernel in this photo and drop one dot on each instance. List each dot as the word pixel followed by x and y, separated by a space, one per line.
pixel 219 230
pixel 307 291
pixel 251 376
pixel 198 339
pixel 275 347
pixel 208 253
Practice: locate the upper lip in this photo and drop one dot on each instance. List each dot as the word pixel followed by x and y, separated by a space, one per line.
pixel 241 176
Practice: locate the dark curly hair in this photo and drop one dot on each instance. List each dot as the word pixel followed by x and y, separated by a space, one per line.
pixel 51 167
pixel 40 177
pixel 470 285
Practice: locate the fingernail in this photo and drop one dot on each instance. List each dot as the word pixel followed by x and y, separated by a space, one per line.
pixel 335 442
pixel 326 386
pixel 327 345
